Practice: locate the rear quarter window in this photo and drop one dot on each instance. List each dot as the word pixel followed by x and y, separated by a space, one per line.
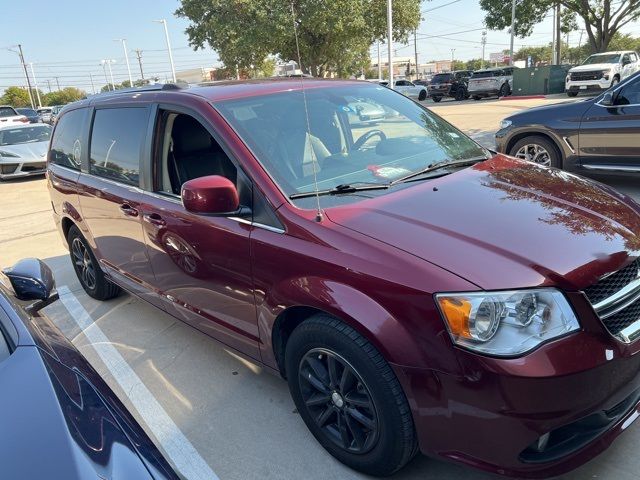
pixel 117 139
pixel 7 112
pixel 66 145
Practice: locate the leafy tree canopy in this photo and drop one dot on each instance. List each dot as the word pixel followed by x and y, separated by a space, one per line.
pixel 333 36
pixel 16 97
pixel 602 19
pixel 64 96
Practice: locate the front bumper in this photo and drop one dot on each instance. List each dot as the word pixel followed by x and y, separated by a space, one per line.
pixel 588 85
pixel 20 168
pixel 583 389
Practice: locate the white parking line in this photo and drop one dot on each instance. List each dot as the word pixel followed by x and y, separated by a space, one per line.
pixel 177 447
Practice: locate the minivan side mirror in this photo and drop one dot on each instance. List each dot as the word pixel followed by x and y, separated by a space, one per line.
pixel 32 279
pixel 211 195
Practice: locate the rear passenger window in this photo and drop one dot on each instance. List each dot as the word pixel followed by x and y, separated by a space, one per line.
pixel 66 146
pixel 116 143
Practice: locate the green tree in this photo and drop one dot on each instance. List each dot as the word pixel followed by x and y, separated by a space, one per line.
pixel 602 18
pixel 333 36
pixel 64 96
pixel 475 64
pixel 16 97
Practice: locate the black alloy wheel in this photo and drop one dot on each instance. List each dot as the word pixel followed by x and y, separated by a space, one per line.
pixel 338 400
pixel 87 268
pixel 504 90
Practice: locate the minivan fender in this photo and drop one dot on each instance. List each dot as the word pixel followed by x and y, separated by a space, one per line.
pixel 289 303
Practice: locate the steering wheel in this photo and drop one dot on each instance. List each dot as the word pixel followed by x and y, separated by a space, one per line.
pixel 367 136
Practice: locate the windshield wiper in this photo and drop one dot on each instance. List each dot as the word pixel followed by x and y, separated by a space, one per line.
pixel 438 166
pixel 343 188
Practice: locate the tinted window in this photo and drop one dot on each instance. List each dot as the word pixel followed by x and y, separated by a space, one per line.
pixel 441 77
pixel 7 112
pixel 487 74
pixel 116 141
pixel 629 94
pixel 66 146
pixel 26 111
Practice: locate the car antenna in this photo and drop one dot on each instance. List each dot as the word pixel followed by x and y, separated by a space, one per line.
pixel 314 160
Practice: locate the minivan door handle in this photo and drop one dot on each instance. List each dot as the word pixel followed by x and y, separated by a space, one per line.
pixel 154 219
pixel 128 210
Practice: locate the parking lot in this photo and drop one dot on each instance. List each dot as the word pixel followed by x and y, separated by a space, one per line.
pixel 211 412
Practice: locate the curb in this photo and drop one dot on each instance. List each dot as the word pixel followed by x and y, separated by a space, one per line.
pixel 523 97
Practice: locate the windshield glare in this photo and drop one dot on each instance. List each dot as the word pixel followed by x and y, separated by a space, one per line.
pixel 15 136
pixel 358 133
pixel 606 58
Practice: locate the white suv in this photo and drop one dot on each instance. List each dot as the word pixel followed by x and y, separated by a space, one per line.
pixel 8 116
pixel 601 71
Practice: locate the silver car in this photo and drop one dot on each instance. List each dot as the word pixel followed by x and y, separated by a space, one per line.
pixel 491 82
pixel 23 150
pixel 409 89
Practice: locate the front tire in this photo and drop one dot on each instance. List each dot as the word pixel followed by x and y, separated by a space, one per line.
pixel 504 90
pixel 422 95
pixel 537 149
pixel 571 93
pixel 436 99
pixel 349 397
pixel 87 268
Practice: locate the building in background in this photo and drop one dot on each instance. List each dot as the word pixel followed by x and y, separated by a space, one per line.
pixel 196 75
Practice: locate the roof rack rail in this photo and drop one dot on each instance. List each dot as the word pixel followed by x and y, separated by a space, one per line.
pixel 156 87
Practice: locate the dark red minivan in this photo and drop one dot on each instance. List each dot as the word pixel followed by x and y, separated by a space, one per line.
pixel 417 291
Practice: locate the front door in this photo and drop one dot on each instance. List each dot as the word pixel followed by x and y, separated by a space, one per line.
pixel 201 263
pixel 609 136
pixel 110 196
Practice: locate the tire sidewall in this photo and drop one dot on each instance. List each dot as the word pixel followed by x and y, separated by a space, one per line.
pixel 306 339
pixel 556 159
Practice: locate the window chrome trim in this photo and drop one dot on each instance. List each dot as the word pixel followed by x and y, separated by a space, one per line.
pixel 568 143
pixel 257 225
pixel 611 168
pixel 631 333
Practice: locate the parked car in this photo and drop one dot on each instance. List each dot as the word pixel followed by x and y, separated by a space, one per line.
pixel 593 136
pixel 54 402
pixel 30 113
pixel 9 116
pixel 491 82
pixel 601 71
pixel 365 112
pixel 45 114
pixel 453 84
pixel 405 87
pixel 55 111
pixel 417 291
pixel 423 81
pixel 23 150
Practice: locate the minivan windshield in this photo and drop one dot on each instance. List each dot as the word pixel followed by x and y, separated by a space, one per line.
pixel 359 133
pixel 603 58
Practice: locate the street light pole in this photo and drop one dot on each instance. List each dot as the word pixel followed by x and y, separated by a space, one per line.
pixel 390 41
pixel 415 49
pixel 513 28
pixel 35 81
pixel 126 58
pixel 166 34
pixel 453 50
pixel 484 44
pixel 104 70
pixel 379 63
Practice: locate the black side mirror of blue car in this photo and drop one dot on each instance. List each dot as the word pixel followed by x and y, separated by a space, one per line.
pixel 32 279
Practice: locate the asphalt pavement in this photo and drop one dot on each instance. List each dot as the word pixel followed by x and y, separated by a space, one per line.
pixel 211 412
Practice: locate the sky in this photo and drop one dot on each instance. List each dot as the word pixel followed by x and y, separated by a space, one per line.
pixel 67 39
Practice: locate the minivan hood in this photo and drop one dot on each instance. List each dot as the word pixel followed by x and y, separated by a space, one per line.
pixel 593 67
pixel 506 223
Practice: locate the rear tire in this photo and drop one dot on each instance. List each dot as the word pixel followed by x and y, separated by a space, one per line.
pixel 572 94
pixel 88 269
pixel 369 398
pixel 505 91
pixel 422 95
pixel 436 99
pixel 476 97
pixel 461 94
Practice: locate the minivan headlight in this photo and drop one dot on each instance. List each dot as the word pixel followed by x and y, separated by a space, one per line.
pixel 506 323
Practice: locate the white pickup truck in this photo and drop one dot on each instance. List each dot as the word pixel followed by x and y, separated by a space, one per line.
pixel 601 71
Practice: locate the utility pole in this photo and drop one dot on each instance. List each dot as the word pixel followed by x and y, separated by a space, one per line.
pixel 379 63
pixel 57 82
pixel 139 56
pixel 484 44
pixel 26 75
pixel 558 37
pixel 166 34
pixel 93 88
pixel 453 50
pixel 35 81
pixel 580 40
pixel 415 49
pixel 126 58
pixel 49 85
pixel 104 70
pixel 390 40
pixel 109 62
pixel 513 30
